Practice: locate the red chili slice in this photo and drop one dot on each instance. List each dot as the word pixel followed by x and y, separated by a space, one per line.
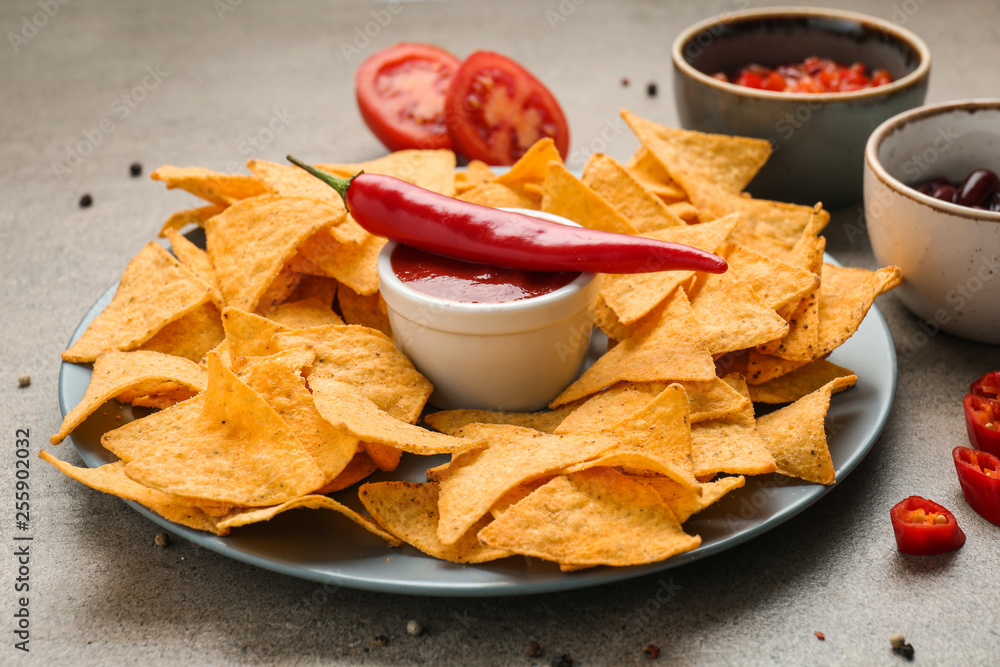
pixel 923 528
pixel 982 413
pixel 979 475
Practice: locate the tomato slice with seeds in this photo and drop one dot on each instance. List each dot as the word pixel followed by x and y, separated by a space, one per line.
pixel 401 92
pixel 496 109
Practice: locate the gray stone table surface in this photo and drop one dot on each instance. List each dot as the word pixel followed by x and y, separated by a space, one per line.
pixel 197 83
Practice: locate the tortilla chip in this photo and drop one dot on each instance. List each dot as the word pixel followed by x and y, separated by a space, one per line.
pixel 498 195
pixel 359 467
pixel 368 360
pixel 727 161
pixel 777 284
pixel 195 259
pixel 115 372
pixel 730 445
pixel 433 170
pixel 154 291
pixel 686 211
pixel 243 517
pixel 761 368
pixel 409 511
pixel 224 189
pixel 155 394
pixel 249 335
pixel 532 167
pixel 731 316
pixel 512 455
pixel 476 173
pixel 613 183
pixel 799 382
pixel 345 252
pixel 845 297
pixel 802 341
pixel 315 287
pixel 632 296
pixel 111 479
pixel 451 421
pixel 368 311
pixel 278 382
pixel 290 181
pixel 648 171
pixel 593 517
pixel 249 243
pixel 304 314
pixel 235 449
pixel 566 195
pixel 192 336
pixel 683 502
pixel 385 457
pixel 796 434
pixel 667 347
pixel 196 216
pixel 344 406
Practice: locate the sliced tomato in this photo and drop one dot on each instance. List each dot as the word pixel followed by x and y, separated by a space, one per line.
pixel 401 92
pixel 496 110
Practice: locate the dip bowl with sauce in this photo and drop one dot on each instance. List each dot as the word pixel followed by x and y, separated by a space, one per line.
pixel 949 254
pixel 818 139
pixel 490 338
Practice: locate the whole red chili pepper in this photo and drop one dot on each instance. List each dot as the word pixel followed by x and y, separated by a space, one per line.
pixel 409 214
pixel 982 413
pixel 979 475
pixel 923 527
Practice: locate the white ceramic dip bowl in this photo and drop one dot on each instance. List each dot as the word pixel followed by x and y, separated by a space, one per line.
pixel 949 254
pixel 512 356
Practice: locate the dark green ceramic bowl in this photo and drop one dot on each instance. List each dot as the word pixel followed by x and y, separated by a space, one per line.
pixel 818 139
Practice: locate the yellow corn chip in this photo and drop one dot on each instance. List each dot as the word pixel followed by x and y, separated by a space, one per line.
pixel 730 445
pixel 368 360
pixel 250 242
pixel 498 195
pixel 450 421
pixel 685 503
pixel 566 195
pixel 385 457
pixel 844 299
pixel 648 171
pixel 777 284
pixel 430 169
pixel 593 517
pixel 360 467
pixel 154 291
pixel 315 287
pixel 344 406
pixel 195 259
pixel 476 173
pixel 613 183
pixel 799 382
pixel 686 211
pixel 291 181
pixel 796 434
pixel 191 336
pixel 243 517
pixel 225 189
pixel 761 368
pixel 667 347
pixel 409 511
pixel 729 162
pixel 532 167
pixel 304 314
pixel 111 479
pixel 632 296
pixel 476 480
pixel 730 315
pixel 802 341
pixel 235 450
pixel 345 252
pixel 115 372
pixel 196 216
pixel 368 311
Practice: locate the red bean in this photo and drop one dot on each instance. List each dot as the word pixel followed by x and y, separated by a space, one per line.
pixel 995 203
pixel 945 193
pixel 927 187
pixel 977 188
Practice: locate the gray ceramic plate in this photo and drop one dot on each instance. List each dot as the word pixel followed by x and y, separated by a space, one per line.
pixel 326 547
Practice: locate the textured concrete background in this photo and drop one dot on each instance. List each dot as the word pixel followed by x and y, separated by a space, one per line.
pixel 102 593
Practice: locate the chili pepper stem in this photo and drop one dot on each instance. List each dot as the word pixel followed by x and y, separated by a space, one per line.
pixel 338 184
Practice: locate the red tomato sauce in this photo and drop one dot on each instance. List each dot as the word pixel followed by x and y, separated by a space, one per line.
pixel 813 75
pixel 469 282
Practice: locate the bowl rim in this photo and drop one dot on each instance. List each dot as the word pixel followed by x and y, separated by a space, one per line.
pixel 920 73
pixel 921 113
pixel 577 285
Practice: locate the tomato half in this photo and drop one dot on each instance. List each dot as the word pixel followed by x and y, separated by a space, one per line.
pixel 401 92
pixel 496 110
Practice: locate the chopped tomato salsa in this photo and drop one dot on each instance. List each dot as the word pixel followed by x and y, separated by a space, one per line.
pixel 814 75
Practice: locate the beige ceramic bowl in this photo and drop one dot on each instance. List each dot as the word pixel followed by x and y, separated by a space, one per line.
pixel 949 254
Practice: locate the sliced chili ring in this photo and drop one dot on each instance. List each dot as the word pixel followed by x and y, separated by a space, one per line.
pixel 923 527
pixel 982 421
pixel 979 475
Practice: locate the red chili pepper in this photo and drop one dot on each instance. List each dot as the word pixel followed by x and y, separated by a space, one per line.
pixel 982 413
pixel 408 214
pixel 979 475
pixel 923 527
